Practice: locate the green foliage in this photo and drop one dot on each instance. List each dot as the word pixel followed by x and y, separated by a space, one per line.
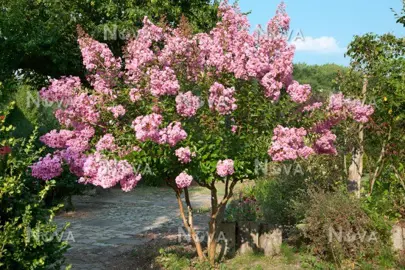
pixel 339 229
pixel 243 208
pixel 28 237
pixel 320 77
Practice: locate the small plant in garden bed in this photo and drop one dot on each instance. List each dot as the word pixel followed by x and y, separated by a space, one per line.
pixel 243 208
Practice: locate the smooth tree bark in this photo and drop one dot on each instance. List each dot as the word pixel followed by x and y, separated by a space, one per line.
pixel 356 166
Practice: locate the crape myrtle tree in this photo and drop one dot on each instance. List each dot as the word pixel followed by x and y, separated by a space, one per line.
pixel 195 107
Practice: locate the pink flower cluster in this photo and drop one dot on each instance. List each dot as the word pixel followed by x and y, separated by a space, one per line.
pixel 184 154
pixel 288 144
pixel 139 52
pixel 312 107
pixel 107 142
pixel 324 145
pixel 221 99
pixel 344 107
pixel 117 111
pixel 101 63
pixel 163 82
pixel 187 104
pixel 55 139
pixel 135 95
pixel 47 167
pixel 225 167
pixel 106 173
pixel 299 93
pixel 81 109
pixel 147 127
pixel 183 180
pixel 62 90
pixel 172 134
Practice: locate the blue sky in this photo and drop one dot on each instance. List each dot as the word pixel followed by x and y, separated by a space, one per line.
pixel 328 25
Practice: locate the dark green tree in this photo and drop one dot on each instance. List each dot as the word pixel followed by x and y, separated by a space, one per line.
pixel 40 35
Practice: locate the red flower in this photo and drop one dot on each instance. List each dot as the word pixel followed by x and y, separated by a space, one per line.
pixel 2 117
pixel 5 150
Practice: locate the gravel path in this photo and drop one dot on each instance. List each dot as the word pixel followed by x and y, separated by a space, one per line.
pixel 105 228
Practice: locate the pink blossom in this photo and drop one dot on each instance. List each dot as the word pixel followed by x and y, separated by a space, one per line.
pixel 147 127
pixel 345 107
pixel 299 93
pixel 55 139
pixel 107 142
pixel 135 95
pixel 130 182
pixel 225 167
pixel 271 86
pixel 47 167
pixel 324 145
pixel 360 113
pixel 163 82
pixel 183 180
pixel 117 111
pixel 221 99
pixel 104 68
pixel 99 171
pixel 288 144
pixel 312 107
pixel 336 103
pixel 184 154
pixel 234 129
pixel 172 134
pixel 62 90
pixel 187 104
pixel 75 160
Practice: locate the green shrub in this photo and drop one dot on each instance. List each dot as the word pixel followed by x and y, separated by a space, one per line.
pixel 339 228
pixel 28 237
pixel 243 208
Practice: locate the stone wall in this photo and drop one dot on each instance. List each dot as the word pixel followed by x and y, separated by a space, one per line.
pixel 398 237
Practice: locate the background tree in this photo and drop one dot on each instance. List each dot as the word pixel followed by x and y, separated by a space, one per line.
pixel 378 66
pixel 40 35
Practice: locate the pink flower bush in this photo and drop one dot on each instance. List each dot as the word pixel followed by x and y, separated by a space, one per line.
pixel 288 144
pixel 183 180
pixel 221 99
pixel 184 155
pixel 187 104
pixel 225 167
pixel 47 167
pixel 161 83
pixel 299 93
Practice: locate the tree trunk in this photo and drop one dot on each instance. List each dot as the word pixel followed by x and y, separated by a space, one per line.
pixel 217 216
pixel 188 223
pixel 356 166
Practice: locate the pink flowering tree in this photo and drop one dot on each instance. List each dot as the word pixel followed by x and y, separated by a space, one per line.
pixel 197 108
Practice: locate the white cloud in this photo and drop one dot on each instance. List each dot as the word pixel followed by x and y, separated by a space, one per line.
pixel 318 45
